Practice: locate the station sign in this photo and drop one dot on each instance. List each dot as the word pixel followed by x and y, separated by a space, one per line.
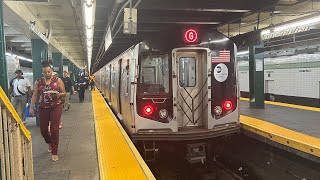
pixel 190 35
pixel 130 21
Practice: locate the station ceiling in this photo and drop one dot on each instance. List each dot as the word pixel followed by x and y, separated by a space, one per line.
pixel 63 20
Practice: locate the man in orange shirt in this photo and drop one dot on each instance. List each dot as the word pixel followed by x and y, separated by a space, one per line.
pixel 91 78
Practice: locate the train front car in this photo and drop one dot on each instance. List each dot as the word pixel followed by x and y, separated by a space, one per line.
pixel 187 87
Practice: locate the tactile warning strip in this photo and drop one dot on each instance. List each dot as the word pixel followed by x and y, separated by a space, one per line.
pixel 117 156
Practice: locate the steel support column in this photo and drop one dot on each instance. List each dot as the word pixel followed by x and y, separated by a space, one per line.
pixel 39 54
pixel 256 76
pixel 3 62
pixel 57 63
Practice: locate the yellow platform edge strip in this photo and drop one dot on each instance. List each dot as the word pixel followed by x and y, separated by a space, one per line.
pixel 287 137
pixel 287 105
pixel 14 113
pixel 105 121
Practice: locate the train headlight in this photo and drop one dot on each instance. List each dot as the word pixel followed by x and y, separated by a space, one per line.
pixel 217 110
pixel 163 113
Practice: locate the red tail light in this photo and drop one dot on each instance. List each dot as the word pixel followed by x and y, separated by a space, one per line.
pixel 148 110
pixel 227 105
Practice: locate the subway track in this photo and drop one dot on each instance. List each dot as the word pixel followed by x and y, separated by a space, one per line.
pixel 235 158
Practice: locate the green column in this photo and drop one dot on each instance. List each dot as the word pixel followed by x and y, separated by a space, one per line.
pixel 39 54
pixel 57 63
pixel 3 62
pixel 256 76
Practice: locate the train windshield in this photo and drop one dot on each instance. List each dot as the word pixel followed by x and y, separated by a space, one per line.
pixel 154 74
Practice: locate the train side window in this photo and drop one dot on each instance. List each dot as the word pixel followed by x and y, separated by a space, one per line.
pixel 187 72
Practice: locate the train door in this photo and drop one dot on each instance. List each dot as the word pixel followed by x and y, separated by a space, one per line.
pixel 109 85
pixel 191 87
pixel 119 85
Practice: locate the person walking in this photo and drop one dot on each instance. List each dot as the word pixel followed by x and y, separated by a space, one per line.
pixel 20 89
pixel 69 90
pixel 91 78
pixel 82 84
pixel 50 90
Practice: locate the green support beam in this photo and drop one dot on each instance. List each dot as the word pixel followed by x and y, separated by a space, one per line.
pixel 256 76
pixel 39 54
pixel 3 61
pixel 57 63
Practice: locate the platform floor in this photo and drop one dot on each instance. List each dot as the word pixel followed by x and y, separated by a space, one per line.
pixel 77 147
pixel 303 121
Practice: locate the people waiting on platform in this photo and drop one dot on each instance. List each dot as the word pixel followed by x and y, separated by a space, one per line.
pixel 20 90
pixel 82 85
pixel 50 90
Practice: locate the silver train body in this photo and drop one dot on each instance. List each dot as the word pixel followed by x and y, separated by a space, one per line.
pixel 185 91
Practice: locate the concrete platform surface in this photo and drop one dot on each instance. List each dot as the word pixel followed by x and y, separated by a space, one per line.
pixel 303 121
pixel 77 148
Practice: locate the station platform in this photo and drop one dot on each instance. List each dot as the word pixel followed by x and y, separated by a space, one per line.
pixel 77 148
pixel 92 145
pixel 293 126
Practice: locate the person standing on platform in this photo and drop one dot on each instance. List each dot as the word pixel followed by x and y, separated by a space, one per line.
pixel 20 88
pixel 50 90
pixel 91 78
pixel 69 90
pixel 82 84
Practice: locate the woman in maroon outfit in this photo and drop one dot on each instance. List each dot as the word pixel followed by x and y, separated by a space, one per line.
pixel 50 89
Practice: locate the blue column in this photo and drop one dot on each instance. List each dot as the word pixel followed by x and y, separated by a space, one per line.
pixel 39 54
pixel 57 63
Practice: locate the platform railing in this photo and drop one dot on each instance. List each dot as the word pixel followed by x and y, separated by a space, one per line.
pixel 15 144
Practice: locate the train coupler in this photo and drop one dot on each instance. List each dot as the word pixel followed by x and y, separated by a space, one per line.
pixel 196 152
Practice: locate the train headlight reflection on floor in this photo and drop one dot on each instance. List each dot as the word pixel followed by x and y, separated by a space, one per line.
pixel 163 113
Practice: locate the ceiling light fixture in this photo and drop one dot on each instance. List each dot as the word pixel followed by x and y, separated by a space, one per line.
pixel 89 14
pixel 300 23
pixel 19 57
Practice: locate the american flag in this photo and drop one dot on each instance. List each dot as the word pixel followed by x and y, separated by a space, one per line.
pixel 224 56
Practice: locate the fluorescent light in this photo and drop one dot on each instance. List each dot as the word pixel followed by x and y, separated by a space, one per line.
pixel 19 57
pixel 302 22
pixel 243 53
pixel 89 14
pixel 264 32
pixel 298 23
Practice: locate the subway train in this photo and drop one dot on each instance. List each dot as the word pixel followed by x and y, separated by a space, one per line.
pixel 179 87
pixel 291 79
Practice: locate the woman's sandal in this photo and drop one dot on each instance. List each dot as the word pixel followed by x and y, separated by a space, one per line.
pixel 54 158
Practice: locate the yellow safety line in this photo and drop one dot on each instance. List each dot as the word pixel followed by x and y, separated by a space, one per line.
pixel 14 113
pixel 296 140
pixel 117 156
pixel 288 105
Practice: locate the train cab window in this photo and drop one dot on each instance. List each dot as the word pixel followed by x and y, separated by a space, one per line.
pixel 154 74
pixel 187 72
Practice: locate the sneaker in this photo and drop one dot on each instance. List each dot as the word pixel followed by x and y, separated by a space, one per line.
pixel 55 158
